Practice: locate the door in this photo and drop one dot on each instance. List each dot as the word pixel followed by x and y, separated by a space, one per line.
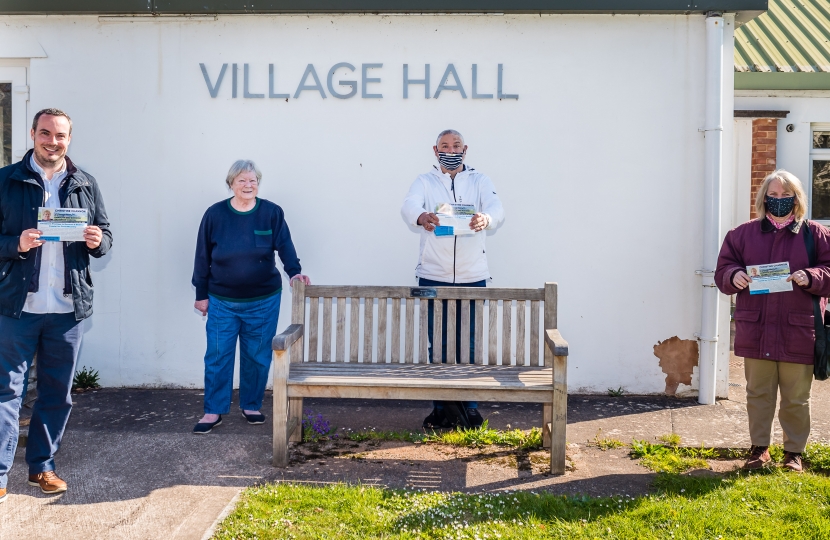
pixel 14 94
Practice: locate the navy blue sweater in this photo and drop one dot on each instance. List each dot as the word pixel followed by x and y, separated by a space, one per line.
pixel 235 252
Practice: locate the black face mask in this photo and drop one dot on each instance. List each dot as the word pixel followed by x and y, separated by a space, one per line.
pixel 779 207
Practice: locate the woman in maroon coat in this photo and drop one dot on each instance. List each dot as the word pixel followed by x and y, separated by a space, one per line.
pixel 775 332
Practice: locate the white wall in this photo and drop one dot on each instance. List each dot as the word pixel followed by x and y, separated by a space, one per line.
pixel 598 163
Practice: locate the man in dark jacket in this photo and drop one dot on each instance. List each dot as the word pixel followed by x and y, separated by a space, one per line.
pixel 45 293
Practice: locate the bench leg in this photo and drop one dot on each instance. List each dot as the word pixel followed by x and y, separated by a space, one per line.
pixel 560 415
pixel 547 418
pixel 295 412
pixel 280 409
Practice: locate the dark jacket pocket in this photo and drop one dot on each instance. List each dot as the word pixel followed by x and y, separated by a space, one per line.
pixel 747 328
pixel 800 333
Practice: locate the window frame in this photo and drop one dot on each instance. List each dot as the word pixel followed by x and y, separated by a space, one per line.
pixel 820 154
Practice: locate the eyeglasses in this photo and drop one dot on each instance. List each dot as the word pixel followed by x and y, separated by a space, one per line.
pixel 247 182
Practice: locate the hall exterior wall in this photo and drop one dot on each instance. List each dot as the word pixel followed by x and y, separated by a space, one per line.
pixel 599 164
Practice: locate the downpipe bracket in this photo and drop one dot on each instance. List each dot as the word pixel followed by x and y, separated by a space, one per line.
pixel 708 277
pixel 701 338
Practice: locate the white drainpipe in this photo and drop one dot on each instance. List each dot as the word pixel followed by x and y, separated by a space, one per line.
pixel 713 170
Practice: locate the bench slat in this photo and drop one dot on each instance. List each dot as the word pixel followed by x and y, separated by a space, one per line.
pixel 506 328
pixel 409 340
pixel 396 331
pixel 456 293
pixel 313 322
pixel 423 376
pixel 479 329
pixel 368 317
pixel 492 352
pixel 438 394
pixel 534 334
pixel 340 351
pixel 381 331
pixel 326 345
pixel 423 336
pixel 354 330
pixel 464 344
pixel 437 338
pixel 451 325
pixel 520 333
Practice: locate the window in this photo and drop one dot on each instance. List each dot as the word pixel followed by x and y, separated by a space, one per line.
pixel 5 124
pixel 819 188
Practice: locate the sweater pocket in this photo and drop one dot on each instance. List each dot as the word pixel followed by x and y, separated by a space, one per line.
pixel 747 329
pixel 264 239
pixel 800 335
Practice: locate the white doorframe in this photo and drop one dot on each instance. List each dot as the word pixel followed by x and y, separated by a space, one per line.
pixel 20 99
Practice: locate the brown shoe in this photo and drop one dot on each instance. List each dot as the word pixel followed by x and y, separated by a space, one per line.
pixel 3 494
pixel 792 462
pixel 758 458
pixel 48 481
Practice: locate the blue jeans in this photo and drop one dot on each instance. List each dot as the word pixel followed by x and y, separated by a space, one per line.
pixel 56 338
pixel 423 282
pixel 254 324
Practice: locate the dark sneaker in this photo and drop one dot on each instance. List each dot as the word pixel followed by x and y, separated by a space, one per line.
pixel 203 428
pixel 792 462
pixel 254 419
pixel 758 458
pixel 437 420
pixel 475 418
pixel 48 482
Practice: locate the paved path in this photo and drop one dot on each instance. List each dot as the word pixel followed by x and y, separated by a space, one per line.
pixel 135 471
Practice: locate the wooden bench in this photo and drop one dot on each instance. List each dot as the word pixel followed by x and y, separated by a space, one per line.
pixel 320 353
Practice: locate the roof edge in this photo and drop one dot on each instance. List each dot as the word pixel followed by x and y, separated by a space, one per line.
pixel 782 81
pixel 229 7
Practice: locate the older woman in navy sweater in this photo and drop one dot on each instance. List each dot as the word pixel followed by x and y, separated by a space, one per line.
pixel 238 287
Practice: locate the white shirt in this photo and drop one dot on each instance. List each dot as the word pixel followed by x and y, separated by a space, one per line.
pixel 50 298
pixel 453 259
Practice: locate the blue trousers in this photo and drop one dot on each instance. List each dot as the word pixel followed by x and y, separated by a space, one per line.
pixel 254 325
pixel 423 282
pixel 56 338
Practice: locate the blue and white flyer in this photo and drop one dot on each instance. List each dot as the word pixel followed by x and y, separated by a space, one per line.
pixel 454 219
pixel 769 278
pixel 62 224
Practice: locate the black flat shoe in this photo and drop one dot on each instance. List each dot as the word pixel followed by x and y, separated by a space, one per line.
pixel 203 428
pixel 254 419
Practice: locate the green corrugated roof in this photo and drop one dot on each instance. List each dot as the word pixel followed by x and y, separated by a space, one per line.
pixel 792 37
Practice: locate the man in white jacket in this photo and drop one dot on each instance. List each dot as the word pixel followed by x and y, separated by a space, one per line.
pixel 452 260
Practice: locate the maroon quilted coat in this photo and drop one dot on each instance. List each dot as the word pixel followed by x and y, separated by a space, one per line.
pixel 777 326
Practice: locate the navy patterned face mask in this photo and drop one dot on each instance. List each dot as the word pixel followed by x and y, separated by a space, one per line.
pixel 780 207
pixel 450 161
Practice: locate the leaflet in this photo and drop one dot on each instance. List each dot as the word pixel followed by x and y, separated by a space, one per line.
pixel 454 219
pixel 769 278
pixel 62 224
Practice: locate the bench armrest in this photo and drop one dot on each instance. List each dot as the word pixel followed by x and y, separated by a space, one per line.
pixel 554 340
pixel 281 342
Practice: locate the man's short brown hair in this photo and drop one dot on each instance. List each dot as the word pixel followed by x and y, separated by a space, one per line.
pixel 51 112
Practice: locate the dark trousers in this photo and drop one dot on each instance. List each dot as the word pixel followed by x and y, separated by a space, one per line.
pixel 56 338
pixel 423 282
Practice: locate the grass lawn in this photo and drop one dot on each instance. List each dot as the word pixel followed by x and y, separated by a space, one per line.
pixel 767 504
pixel 763 505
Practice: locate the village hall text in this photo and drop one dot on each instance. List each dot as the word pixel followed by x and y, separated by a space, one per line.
pixel 370 82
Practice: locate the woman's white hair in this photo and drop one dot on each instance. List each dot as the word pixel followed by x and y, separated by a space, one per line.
pixel 791 183
pixel 242 166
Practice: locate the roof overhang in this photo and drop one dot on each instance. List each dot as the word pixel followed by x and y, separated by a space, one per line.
pixel 212 7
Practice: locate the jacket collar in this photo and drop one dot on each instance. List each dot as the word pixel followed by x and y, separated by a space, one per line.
pixel 24 172
pixel 793 227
